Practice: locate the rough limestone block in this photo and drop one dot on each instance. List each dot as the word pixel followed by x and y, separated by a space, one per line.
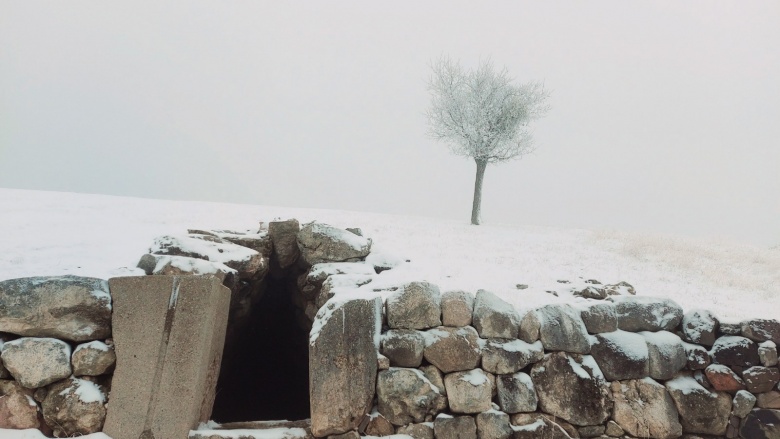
pixel 621 355
pixel 516 393
pixel 644 408
pixel 562 329
pixel 643 313
pixel 403 347
pixel 169 333
pixel 416 305
pixel 700 326
pixel 36 362
pixel 493 424
pixel 701 411
pixel 457 308
pixel 742 403
pixel 599 317
pixel 495 318
pixel 459 427
pixel 343 364
pixel 469 392
pixel 406 395
pixel 453 349
pixel 666 354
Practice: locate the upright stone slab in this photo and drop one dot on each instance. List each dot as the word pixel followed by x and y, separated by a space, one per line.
pixel 343 364
pixel 169 333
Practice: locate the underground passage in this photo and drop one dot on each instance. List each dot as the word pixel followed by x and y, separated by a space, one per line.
pixel 266 377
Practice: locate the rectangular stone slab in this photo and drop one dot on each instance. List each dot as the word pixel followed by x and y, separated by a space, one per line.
pixel 169 333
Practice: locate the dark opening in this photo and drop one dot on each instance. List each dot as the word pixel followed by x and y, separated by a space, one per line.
pixel 267 375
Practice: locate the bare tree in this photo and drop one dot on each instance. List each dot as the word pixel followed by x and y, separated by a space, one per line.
pixel 482 115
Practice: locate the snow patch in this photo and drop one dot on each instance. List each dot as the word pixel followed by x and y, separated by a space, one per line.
pixel 270 433
pixel 96 345
pixel 475 377
pixel 87 391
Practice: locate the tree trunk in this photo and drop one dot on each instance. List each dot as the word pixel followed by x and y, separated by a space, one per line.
pixel 476 207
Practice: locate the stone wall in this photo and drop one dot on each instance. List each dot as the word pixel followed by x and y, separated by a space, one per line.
pixel 410 359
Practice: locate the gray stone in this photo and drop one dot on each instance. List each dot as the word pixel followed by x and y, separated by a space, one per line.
pixel 613 429
pixel 404 347
pixel 699 326
pixel 768 400
pixel 697 357
pixel 181 265
pixel 599 317
pixel 502 356
pixel 516 393
pixel 36 362
pixel 458 427
pixel 74 407
pixel 319 242
pixel 65 307
pixel 761 330
pixel 457 308
pixel 493 424
pixel 93 359
pixel 726 328
pixel 468 391
pixel 562 329
pixel 573 388
pixel 284 236
pixel 339 281
pixel 767 353
pixel 742 403
pixel 701 411
pixel 310 282
pixel 621 288
pixel 643 408
pixel 591 292
pixel 17 412
pixel 529 327
pixel 591 431
pixel 435 376
pixel 417 431
pixel 493 317
pixel 405 396
pixel 382 362
pixel 760 379
pixel 761 424
pixel 343 361
pixel 453 349
pixel 621 355
pixel 733 350
pixel 666 354
pixel 169 333
pixel 642 313
pixel 378 425
pixel 249 263
pixel 416 305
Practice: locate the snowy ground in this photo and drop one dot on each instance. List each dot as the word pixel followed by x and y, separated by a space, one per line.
pixel 51 233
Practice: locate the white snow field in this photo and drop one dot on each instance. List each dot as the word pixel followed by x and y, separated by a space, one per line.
pixel 54 233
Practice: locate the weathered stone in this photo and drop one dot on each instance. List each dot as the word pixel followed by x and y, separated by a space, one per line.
pixel 613 429
pixel 521 419
pixel 457 308
pixel 17 409
pixel 435 376
pixel 742 403
pixel 666 354
pixel 310 283
pixel 260 241
pixel 643 313
pixel 591 431
pixel 516 393
pixel 182 265
pixel 621 355
pixel 493 317
pixel 572 388
pixel 468 392
pixel 562 329
pixel 591 292
pixel 621 288
pixel 761 424
pixel 529 327
pixel 74 407
pixel 65 307
pixel 699 326
pixel 404 347
pixel 406 396
pixel 697 357
pixel 342 361
pixel 733 350
pixel 723 379
pixel 416 305
pixel 599 317
pixel 501 356
pixel 169 333
pixel 726 328
pixel 382 362
pixel 458 427
pixel 760 379
pixel 378 425
pixel 319 242
pixel 36 362
pixel 417 431
pixel 93 359
pixel 643 408
pixel 768 400
pixel 284 236
pixel 249 263
pixel 767 353
pixel 761 330
pixel 701 411
pixel 453 349
pixel 493 424
pixel 336 282
pixel 540 427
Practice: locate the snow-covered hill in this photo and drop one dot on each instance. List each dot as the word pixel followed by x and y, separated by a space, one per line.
pixel 53 233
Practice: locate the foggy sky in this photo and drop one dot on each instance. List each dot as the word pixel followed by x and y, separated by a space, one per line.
pixel 665 115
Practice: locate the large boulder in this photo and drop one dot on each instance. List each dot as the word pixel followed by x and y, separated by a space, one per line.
pixel 456 308
pixel 516 393
pixel 562 329
pixel 573 388
pixel 469 391
pixel 319 242
pixel 666 354
pixel 502 356
pixel 644 408
pixel 453 349
pixel 405 396
pixel 343 361
pixel 284 237
pixel 93 359
pixel 599 317
pixel 36 362
pixel 66 307
pixel 403 347
pixel 700 326
pixel 621 355
pixel 761 330
pixel 416 305
pixel 641 313
pixel 733 350
pixel 74 407
pixel 493 317
pixel 701 411
pixel 249 264
pixel 761 424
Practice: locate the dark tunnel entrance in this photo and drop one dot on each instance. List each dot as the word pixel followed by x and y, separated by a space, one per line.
pixel 267 375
